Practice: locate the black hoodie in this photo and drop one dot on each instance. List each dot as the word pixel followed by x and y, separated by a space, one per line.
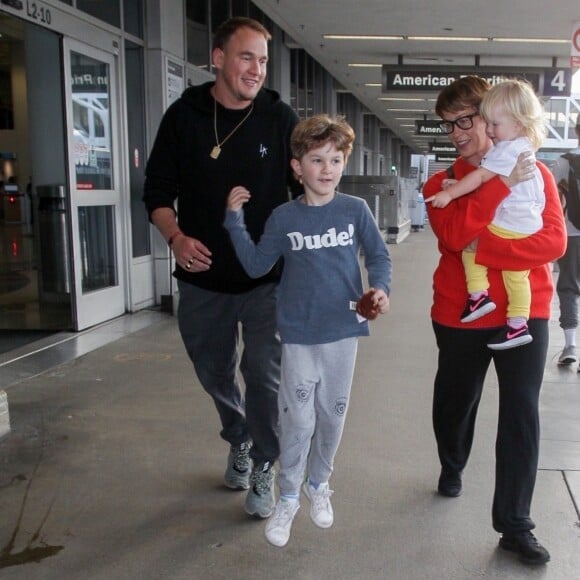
pixel 257 156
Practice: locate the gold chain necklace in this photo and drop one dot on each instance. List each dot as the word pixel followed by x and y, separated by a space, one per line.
pixel 215 152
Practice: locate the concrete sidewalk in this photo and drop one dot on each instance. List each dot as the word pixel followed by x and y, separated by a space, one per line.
pixel 114 466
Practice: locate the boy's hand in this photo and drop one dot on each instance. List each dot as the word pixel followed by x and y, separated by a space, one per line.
pixel 441 199
pixel 237 197
pixel 372 303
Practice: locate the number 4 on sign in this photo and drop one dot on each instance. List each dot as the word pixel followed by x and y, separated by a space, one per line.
pixel 557 82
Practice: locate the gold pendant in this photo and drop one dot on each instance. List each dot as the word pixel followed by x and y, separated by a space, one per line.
pixel 215 152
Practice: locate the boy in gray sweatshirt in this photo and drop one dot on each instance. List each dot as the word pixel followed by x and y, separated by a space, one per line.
pixel 319 235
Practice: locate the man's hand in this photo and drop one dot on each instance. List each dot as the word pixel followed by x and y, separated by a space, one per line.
pixel 191 254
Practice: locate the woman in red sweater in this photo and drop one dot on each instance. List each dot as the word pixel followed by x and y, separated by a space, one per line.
pixel 464 356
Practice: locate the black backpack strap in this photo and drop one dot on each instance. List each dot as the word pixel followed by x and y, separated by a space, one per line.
pixel 450 172
pixel 573 160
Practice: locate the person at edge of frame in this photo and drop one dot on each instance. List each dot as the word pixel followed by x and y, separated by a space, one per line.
pixel 566 171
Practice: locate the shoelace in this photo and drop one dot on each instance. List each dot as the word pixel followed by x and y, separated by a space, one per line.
pixel 262 479
pixel 531 538
pixel 282 513
pixel 242 456
pixel 321 498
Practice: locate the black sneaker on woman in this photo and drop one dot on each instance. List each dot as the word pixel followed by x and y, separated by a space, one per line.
pixel 525 544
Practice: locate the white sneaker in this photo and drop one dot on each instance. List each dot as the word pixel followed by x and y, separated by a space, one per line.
pixel 320 507
pixel 568 356
pixel 280 523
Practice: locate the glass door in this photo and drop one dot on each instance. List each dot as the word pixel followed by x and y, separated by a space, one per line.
pixel 94 172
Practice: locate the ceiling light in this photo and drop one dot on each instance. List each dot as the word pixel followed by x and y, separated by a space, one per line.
pixel 409 110
pixel 401 99
pixel 373 85
pixel 363 37
pixel 442 38
pixel 532 40
pixel 451 38
pixel 365 64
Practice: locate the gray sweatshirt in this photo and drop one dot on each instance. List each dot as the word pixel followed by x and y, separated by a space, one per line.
pixel 322 275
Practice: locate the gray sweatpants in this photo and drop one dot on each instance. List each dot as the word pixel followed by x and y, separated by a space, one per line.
pixel 568 285
pixel 312 404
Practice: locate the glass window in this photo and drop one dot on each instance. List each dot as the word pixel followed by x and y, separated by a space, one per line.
pixel 220 12
pixel 258 15
pixel 6 105
pixel 92 123
pixel 197 33
pixel 106 10
pixel 240 8
pixel 301 83
pixel 196 10
pixel 198 44
pixel 97 243
pixel 310 80
pixel 294 79
pixel 366 140
pixel 555 111
pixel 133 17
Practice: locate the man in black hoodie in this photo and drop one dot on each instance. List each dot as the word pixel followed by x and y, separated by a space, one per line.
pixel 216 136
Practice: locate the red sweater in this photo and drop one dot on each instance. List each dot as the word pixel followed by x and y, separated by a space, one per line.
pixel 466 219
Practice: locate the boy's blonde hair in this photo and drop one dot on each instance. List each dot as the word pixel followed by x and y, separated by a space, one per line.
pixel 315 131
pixel 518 100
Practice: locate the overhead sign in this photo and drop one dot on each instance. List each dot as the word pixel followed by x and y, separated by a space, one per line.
pixel 428 128
pixel 33 10
pixel 416 78
pixel 445 158
pixel 442 148
pixel 575 48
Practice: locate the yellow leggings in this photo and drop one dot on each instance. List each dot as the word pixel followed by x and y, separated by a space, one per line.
pixel 517 283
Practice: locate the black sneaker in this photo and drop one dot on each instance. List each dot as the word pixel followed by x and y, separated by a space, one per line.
pixel 475 309
pixel 509 337
pixel 450 483
pixel 529 550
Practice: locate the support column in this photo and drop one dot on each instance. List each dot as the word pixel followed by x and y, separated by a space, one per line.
pixel 166 42
pixel 4 416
